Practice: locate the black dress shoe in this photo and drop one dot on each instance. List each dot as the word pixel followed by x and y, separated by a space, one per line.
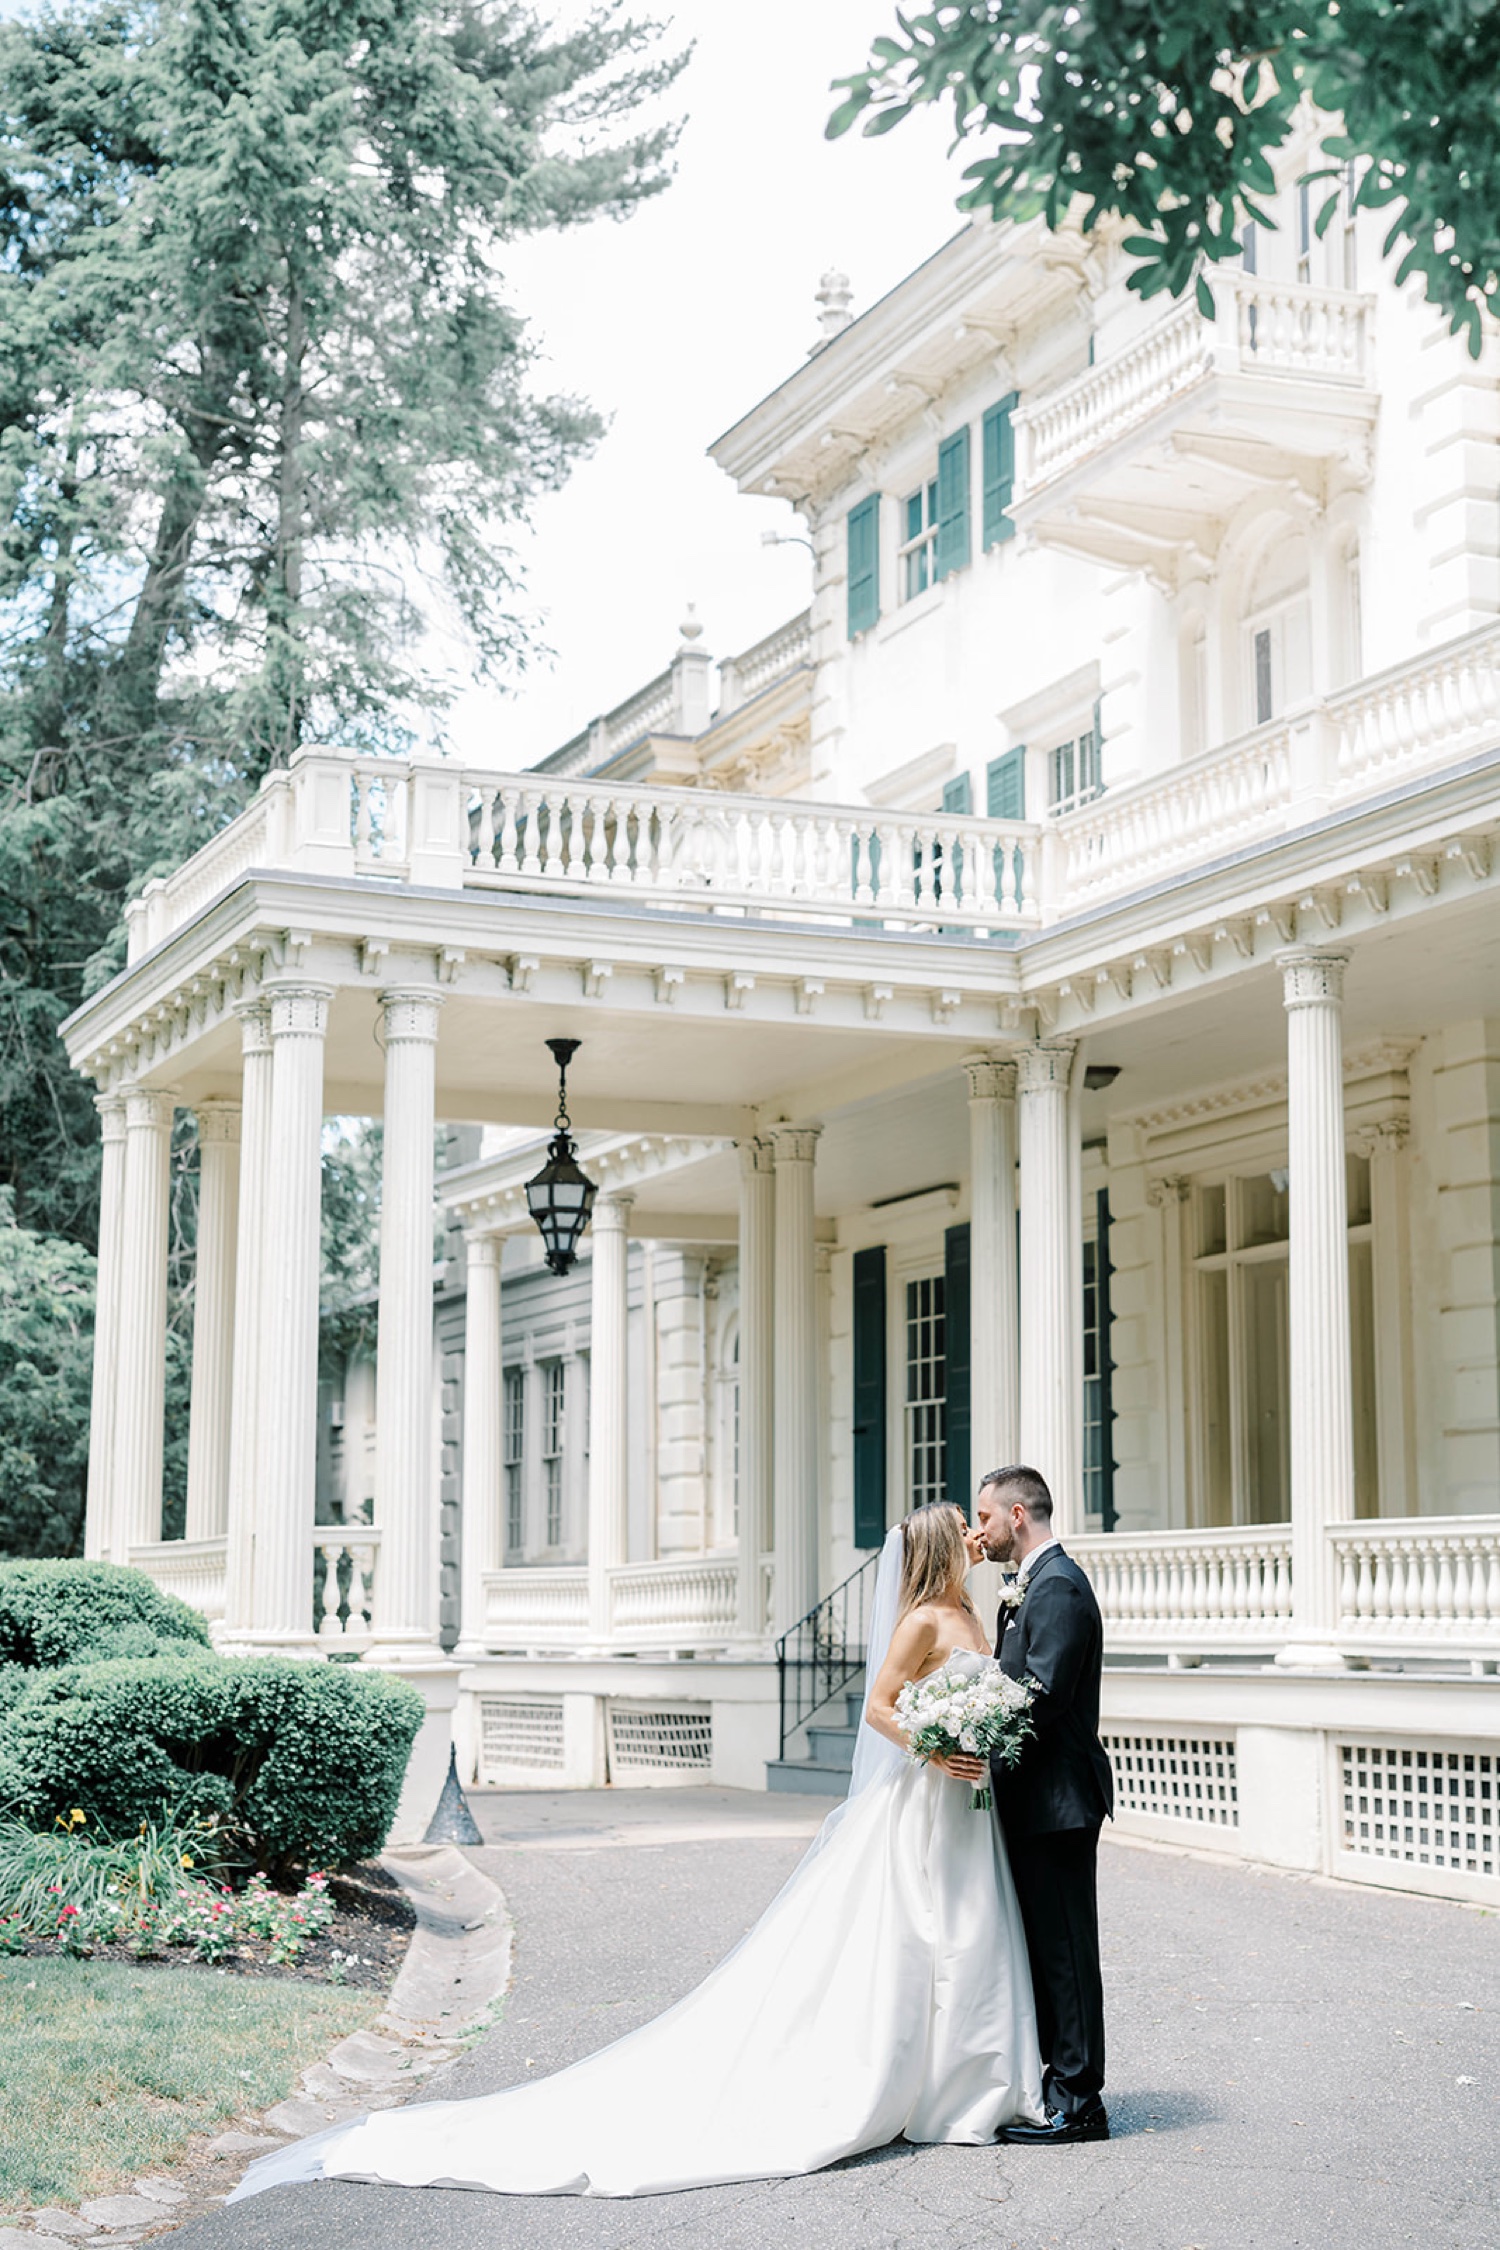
pixel 1084 2125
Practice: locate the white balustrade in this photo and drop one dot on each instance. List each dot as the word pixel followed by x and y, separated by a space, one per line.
pixel 193 1569
pixel 1262 328
pixel 1414 716
pixel 1420 1585
pixel 1215 803
pixel 344 1559
pixel 695 1596
pixel 775 658
pixel 1191 1593
pixel 541 1607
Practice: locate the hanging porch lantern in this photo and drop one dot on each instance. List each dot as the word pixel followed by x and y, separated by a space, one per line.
pixel 561 1196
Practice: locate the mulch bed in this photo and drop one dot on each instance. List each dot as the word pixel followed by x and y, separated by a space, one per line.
pixel 373 1922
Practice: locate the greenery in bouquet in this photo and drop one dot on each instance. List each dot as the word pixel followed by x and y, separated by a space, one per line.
pixel 982 1714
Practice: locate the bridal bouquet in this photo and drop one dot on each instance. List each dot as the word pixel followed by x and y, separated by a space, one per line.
pixel 982 1713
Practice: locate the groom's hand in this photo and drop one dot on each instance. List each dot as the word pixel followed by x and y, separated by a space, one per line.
pixel 962 1767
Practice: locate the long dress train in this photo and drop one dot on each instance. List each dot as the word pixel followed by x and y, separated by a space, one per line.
pixel 883 1994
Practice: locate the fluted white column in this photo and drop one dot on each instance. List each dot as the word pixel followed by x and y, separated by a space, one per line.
pixel 609 1313
pixel 484 1399
pixel 406 1576
pixel 98 1522
pixel 994 1340
pixel 287 1355
pixel 1322 1407
pixel 796 1349
pixel 1051 1406
pixel 757 1377
pixel 140 1400
pixel 246 1403
pixel 213 1319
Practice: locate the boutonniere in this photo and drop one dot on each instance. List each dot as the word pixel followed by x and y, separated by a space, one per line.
pixel 1012 1594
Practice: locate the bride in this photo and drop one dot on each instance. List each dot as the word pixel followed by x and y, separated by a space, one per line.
pixel 883 1994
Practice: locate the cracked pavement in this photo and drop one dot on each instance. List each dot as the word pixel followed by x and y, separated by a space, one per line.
pixel 1294 2065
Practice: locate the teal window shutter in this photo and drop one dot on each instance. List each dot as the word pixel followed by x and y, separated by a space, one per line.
pixel 953 503
pixel 869 1396
pixel 958 794
pixel 956 1372
pixel 999 472
pixel 1005 785
pixel 864 565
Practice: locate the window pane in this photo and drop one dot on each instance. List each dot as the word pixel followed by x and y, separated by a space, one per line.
pixel 914 516
pixel 1265 703
pixel 1215 1500
pixel 1212 1235
pixel 1362 1370
pixel 1265 1211
pixel 1357 1172
pixel 926 1388
pixel 1267 1433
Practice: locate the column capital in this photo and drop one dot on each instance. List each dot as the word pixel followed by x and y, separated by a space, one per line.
pixel 1167 1188
pixel 111 1108
pixel 255 1024
pixel 1046 1067
pixel 149 1106
pixel 795 1144
pixel 299 1011
pixel 484 1249
pixel 410 1012
pixel 611 1214
pixel 756 1155
pixel 219 1122
pixel 990 1078
pixel 1387 1137
pixel 1311 976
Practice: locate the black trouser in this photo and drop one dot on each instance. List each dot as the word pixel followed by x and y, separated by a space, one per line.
pixel 1056 1883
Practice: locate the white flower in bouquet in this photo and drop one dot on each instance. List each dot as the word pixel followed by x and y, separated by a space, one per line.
pixel 984 1714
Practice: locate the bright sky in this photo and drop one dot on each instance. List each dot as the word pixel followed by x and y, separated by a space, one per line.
pixel 674 324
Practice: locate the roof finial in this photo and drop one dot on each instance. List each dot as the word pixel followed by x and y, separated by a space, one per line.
pixel 833 300
pixel 691 627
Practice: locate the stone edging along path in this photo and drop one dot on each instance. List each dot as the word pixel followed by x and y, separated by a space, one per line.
pixel 456 1969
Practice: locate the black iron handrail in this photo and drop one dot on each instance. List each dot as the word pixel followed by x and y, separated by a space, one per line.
pixel 824 1652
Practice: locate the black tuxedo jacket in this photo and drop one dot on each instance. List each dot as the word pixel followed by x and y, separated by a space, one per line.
pixel 1062 1778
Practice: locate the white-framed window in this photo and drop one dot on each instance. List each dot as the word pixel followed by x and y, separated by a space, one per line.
pixel 918 552
pixel 1279 643
pixel 1304 231
pixel 1348 238
pixel 926 1390
pixel 1073 771
pixel 554 1408
pixel 1240 1384
pixel 514 1450
pixel 727 1440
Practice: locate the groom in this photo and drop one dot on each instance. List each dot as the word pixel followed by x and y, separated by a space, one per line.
pixel 1054 1800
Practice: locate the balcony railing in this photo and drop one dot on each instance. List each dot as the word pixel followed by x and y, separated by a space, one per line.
pixel 1262 328
pixel 1183 1593
pixel 1426 1586
pixel 1410 719
pixel 431 821
pixel 686 1601
pixel 193 1569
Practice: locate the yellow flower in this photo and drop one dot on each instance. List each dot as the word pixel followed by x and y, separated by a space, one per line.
pixel 77 1817
pixel 186 1861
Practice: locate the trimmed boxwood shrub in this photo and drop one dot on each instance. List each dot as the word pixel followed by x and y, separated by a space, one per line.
pixel 72 1612
pixel 300 1761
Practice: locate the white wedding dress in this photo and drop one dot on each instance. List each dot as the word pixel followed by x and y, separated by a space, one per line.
pixel 883 1994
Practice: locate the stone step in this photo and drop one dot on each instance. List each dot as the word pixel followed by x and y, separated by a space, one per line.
pixel 832 1746
pixel 803 1777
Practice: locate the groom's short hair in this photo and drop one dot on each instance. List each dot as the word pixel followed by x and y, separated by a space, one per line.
pixel 1028 1486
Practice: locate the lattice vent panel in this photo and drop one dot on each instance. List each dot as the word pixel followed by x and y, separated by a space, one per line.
pixel 1428 1805
pixel 1184 1777
pixel 649 1739
pixel 518 1736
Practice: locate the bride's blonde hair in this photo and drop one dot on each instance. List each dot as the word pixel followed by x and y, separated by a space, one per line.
pixel 934 1559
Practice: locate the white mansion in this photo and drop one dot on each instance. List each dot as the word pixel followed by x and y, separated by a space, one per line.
pixel 1042 1003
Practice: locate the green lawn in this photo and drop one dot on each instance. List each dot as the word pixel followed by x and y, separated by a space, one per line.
pixel 105 2068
